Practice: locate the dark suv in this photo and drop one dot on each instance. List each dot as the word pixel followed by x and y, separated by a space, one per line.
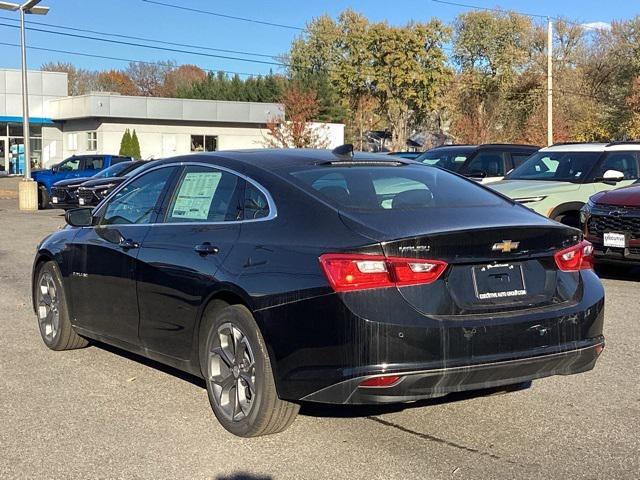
pixel 487 163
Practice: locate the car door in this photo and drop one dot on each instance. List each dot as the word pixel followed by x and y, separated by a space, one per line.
pixel 625 162
pixel 104 257
pixel 181 260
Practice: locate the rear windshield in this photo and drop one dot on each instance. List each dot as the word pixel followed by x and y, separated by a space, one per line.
pixel 372 188
pixel 447 158
pixel 556 166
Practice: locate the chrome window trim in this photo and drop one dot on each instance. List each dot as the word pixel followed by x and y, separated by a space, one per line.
pixel 273 212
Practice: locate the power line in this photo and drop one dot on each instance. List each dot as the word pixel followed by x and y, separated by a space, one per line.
pixel 502 10
pixel 120 59
pixel 118 35
pixel 132 44
pixel 222 15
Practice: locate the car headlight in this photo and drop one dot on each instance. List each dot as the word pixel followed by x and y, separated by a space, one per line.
pixel 538 198
pixel 585 211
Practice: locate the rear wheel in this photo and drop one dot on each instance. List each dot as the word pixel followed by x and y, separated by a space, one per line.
pixel 571 219
pixel 53 315
pixel 237 371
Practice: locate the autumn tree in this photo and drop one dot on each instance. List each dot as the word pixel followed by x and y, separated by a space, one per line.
pixel 80 81
pixel 116 81
pixel 394 73
pixel 181 78
pixel 149 77
pixel 296 129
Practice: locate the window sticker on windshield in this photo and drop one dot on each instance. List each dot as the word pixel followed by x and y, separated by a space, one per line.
pixel 194 197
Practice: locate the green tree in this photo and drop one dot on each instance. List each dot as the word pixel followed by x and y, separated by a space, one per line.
pixel 125 144
pixel 135 146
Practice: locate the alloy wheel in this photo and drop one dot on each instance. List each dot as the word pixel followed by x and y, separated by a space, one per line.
pixel 231 372
pixel 48 307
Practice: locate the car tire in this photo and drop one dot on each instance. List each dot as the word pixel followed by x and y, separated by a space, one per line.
pixel 240 384
pixel 52 310
pixel 571 219
pixel 43 197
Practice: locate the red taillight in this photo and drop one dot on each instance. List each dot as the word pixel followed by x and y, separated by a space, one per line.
pixel 347 272
pixel 577 257
pixel 381 382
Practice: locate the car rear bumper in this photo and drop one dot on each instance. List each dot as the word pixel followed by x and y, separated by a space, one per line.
pixel 430 383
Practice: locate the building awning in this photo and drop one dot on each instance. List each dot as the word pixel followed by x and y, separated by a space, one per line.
pixel 32 120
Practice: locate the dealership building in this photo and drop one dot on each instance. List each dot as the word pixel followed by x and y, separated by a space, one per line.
pixel 61 126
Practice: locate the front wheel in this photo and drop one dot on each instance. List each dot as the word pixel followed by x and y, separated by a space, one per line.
pixel 43 197
pixel 53 314
pixel 240 384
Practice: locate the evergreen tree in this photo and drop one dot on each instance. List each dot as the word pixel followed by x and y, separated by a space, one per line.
pixel 125 143
pixel 135 146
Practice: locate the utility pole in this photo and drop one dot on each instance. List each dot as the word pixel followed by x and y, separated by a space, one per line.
pixel 549 82
pixel 27 189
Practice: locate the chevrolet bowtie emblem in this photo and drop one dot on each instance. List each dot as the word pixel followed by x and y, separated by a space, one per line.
pixel 505 246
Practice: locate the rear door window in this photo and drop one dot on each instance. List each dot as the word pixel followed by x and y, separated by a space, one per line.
pixel 205 194
pixel 93 163
pixel 489 164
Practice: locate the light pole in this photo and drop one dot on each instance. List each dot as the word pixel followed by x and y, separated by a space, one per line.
pixel 27 190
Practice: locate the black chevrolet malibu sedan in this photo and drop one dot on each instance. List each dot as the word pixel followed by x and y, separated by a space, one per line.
pixel 290 276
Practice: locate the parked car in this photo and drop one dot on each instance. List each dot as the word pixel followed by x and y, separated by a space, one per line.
pixel 611 221
pixel 409 155
pixel 289 276
pixel 64 193
pixel 486 163
pixel 558 180
pixel 77 166
pixel 94 190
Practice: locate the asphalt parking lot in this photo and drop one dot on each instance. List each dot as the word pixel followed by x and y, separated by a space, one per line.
pixel 102 413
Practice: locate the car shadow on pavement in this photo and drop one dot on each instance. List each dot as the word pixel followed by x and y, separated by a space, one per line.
pixel 187 377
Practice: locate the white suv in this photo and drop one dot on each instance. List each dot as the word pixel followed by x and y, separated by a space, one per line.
pixel 558 180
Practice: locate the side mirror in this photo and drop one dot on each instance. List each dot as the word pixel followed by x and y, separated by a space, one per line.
pixel 55 168
pixel 79 217
pixel 613 176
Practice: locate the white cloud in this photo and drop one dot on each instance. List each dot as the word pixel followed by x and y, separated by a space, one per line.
pixel 597 26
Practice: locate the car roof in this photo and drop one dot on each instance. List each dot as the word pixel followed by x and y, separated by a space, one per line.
pixel 592 147
pixel 285 158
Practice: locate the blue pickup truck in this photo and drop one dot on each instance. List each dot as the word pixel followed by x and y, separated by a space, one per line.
pixel 78 166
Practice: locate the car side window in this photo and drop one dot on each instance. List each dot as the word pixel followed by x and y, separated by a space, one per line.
pixel 625 162
pixel 205 194
pixel 137 202
pixel 93 163
pixel 256 204
pixel 69 165
pixel 491 164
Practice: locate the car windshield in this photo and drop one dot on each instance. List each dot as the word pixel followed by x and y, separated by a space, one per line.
pixel 113 170
pixel 389 189
pixel 447 158
pixel 556 166
pixel 133 169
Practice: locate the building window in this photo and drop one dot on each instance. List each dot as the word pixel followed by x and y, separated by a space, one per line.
pixel 92 141
pixel 204 143
pixel 72 141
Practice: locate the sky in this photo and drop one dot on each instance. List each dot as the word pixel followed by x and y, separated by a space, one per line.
pixel 141 18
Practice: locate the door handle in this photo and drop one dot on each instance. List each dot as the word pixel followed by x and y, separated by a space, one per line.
pixel 127 244
pixel 206 249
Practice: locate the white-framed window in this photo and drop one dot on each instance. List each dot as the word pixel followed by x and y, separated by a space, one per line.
pixel 204 143
pixel 92 141
pixel 72 141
